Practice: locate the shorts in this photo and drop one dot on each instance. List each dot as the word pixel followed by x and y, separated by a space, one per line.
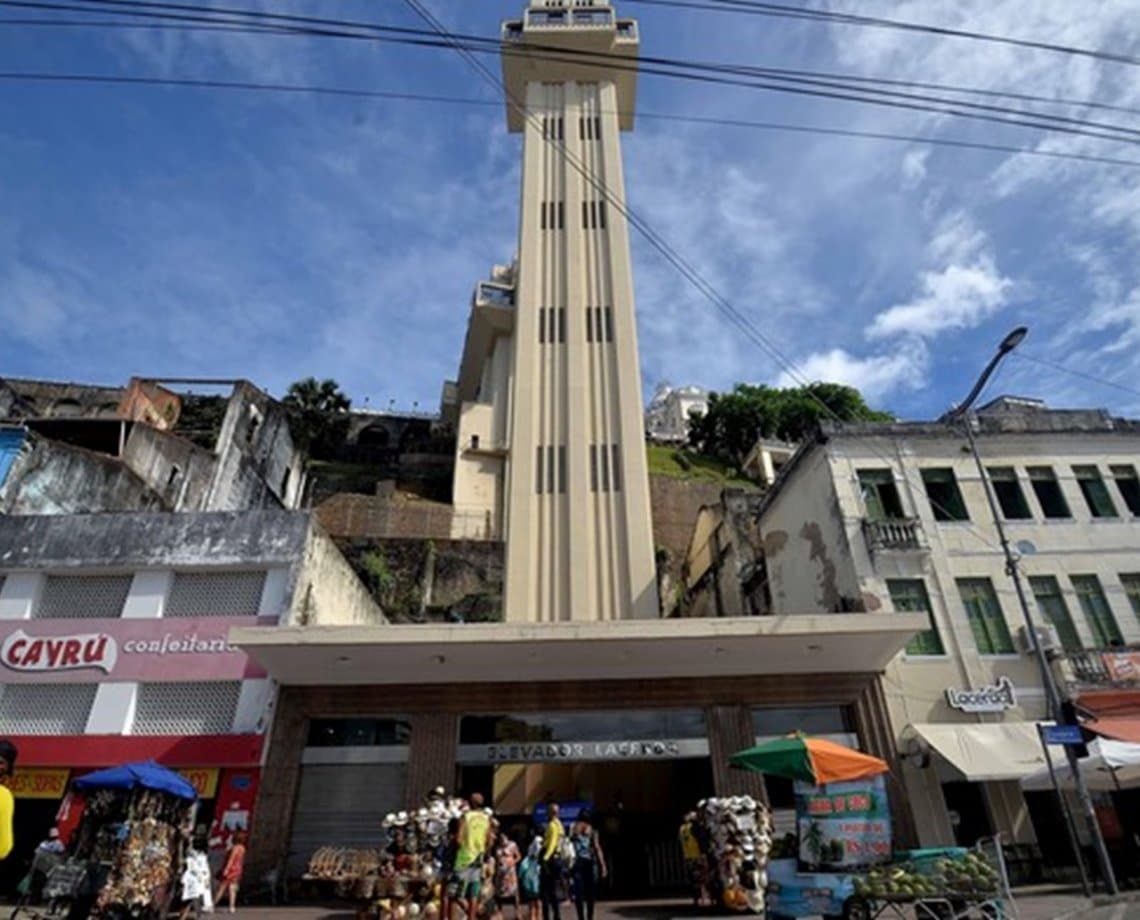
pixel 469 882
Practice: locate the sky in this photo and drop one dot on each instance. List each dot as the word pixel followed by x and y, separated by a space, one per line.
pixel 219 233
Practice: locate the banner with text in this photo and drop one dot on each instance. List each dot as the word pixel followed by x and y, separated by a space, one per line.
pixel 843 826
pixel 84 651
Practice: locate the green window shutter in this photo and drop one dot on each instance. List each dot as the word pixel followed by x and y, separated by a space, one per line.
pixel 1132 591
pixel 909 596
pixel 991 633
pixel 1053 609
pixel 1097 612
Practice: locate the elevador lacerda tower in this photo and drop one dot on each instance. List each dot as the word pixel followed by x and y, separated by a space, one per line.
pixel 579 540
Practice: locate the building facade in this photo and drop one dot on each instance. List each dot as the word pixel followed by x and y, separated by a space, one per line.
pixel 893 518
pixel 114 645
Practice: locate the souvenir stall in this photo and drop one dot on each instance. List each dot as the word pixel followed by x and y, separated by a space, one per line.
pixel 401 878
pixel 736 835
pixel 842 863
pixel 132 838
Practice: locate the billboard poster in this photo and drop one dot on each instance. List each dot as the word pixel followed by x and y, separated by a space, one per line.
pixel 843 826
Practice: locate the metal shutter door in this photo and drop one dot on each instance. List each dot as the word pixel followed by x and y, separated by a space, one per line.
pixel 343 805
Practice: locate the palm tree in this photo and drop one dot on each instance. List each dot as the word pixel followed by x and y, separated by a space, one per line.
pixel 318 414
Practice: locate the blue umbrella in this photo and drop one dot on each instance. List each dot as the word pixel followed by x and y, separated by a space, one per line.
pixel 148 775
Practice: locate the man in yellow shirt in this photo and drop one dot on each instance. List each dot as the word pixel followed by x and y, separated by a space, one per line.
pixel 474 829
pixel 552 867
pixel 7 803
pixel 694 857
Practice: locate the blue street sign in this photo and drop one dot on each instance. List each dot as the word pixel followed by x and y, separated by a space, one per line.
pixel 1063 734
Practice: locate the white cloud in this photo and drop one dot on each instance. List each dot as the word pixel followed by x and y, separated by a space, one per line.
pixel 875 376
pixel 957 297
pixel 914 167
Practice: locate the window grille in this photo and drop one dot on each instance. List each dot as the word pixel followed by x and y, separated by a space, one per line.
pixel 46 709
pixel 186 708
pixel 83 596
pixel 2 577
pixel 215 594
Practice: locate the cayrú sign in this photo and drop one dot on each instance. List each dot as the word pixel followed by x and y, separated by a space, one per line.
pixel 123 649
pixel 996 698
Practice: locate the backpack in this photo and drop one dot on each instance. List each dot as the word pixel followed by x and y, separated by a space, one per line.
pixel 529 877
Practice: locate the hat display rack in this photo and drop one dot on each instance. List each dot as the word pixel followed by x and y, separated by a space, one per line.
pixel 736 835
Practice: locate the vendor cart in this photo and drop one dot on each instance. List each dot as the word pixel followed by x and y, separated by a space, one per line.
pixel 844 865
pixel 131 839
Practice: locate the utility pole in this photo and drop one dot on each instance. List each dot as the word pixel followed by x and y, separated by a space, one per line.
pixel 1052 694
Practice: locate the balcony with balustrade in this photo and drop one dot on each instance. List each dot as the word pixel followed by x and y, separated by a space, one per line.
pixel 1101 669
pixel 894 535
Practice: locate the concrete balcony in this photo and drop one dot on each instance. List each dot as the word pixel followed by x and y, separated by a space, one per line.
pixel 894 535
pixel 1101 668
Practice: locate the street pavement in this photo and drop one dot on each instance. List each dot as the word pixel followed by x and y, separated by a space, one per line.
pixel 1034 905
pixel 1037 904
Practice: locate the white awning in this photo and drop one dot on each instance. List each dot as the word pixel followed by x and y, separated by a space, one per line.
pixel 1110 765
pixel 998 751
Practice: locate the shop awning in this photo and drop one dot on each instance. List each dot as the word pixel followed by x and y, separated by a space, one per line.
pixel 843 643
pixel 998 751
pixel 1110 765
pixel 1120 729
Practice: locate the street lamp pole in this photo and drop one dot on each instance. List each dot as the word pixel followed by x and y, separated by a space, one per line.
pixel 1052 694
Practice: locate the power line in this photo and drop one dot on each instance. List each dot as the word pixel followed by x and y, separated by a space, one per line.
pixel 287 88
pixel 752 7
pixel 801 82
pixel 1045 362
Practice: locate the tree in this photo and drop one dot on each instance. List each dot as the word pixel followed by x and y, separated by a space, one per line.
pixel 318 415
pixel 736 420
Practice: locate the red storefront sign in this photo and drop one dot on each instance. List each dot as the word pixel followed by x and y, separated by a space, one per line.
pixel 62 651
pixel 237 794
pixel 1123 667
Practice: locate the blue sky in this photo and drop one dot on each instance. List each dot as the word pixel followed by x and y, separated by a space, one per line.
pixel 217 233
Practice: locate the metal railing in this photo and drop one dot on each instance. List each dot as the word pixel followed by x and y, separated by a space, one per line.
pixel 1104 667
pixel 894 534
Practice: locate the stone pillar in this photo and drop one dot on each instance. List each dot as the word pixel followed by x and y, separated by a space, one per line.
pixel 873 724
pixel 432 762
pixel 277 793
pixel 730 730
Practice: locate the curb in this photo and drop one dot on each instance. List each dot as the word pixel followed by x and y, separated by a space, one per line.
pixel 1102 900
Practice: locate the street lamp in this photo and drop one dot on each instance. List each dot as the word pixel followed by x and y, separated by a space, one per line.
pixel 1052 694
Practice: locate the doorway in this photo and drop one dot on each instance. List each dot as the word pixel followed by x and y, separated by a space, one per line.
pixel 637 809
pixel 969 815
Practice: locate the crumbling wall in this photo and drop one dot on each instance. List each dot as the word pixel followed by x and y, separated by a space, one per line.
pixel 176 468
pixel 49 477
pixel 331 592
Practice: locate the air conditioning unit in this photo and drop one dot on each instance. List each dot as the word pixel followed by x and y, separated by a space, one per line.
pixel 1047 638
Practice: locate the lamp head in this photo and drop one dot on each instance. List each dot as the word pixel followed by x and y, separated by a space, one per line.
pixel 1011 341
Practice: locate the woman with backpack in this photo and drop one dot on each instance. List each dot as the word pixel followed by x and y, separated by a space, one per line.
pixel 589 866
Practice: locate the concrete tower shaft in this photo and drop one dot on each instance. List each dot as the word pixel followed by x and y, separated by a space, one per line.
pixel 578 529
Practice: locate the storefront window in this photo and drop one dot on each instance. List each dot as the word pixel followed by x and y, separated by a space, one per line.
pixel 605 725
pixel 811 720
pixel 359 732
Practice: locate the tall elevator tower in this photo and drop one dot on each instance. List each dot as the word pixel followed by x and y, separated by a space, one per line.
pixel 579 540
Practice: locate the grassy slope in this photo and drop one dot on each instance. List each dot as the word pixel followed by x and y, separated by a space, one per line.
pixel 664 461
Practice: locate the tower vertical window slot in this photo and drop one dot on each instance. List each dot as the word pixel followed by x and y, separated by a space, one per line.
pixel 562 325
pixel 615 463
pixel 593 467
pixel 609 317
pixel 585 215
pixel 561 215
pixel 589 324
pixel 541 325
pixel 562 469
pixel 550 471
pixel 597 127
pixel 538 477
pixel 542 216
pixel 604 467
pixel 602 215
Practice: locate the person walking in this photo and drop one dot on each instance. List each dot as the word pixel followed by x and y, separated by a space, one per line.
pixel 589 866
pixel 232 871
pixel 695 861
pixel 507 859
pixel 8 754
pixel 530 878
pixel 552 866
pixel 474 831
